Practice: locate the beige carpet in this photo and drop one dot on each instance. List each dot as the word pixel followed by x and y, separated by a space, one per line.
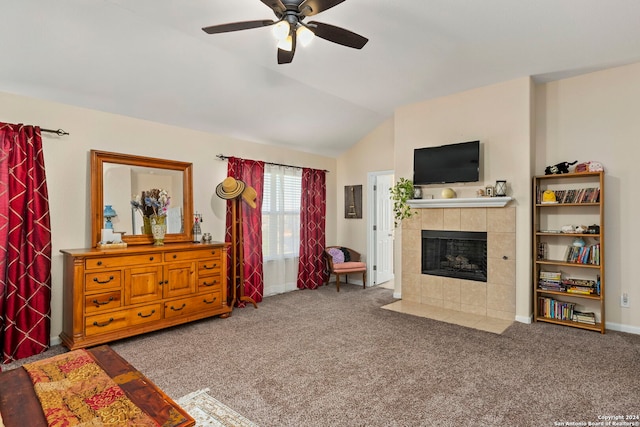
pixel 209 412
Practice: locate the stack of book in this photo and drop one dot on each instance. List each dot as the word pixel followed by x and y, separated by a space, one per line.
pixel 551 281
pixel 584 317
pixel 581 286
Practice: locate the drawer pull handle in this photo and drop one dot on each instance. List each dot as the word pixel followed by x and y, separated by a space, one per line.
pixel 146 315
pixel 102 325
pixel 209 302
pixel 175 256
pixel 99 303
pixel 99 262
pixel 209 284
pixel 213 252
pixel 209 268
pixel 102 282
pixel 178 309
pixel 150 258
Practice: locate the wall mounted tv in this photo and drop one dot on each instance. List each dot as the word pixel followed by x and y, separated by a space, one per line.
pixel 447 163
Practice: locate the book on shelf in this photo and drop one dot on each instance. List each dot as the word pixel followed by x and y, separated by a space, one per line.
pixel 587 317
pixel 553 309
pixel 575 195
pixel 589 254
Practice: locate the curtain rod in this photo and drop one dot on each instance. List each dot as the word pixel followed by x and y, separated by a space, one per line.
pixel 223 157
pixel 59 132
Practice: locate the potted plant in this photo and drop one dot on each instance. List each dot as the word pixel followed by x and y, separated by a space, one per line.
pixel 400 193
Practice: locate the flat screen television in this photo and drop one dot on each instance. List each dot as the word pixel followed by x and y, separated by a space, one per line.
pixel 447 163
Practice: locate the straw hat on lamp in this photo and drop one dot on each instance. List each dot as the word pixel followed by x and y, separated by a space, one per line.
pixel 249 195
pixel 230 188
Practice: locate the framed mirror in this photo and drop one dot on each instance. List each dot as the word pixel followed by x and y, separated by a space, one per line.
pixel 117 178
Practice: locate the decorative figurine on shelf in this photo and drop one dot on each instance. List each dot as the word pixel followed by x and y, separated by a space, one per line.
pixel 549 196
pixel 448 193
pixel 579 241
pixel 560 168
pixel 589 167
pixel 197 219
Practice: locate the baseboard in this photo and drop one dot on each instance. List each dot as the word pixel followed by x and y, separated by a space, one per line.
pixel 55 340
pixel 622 328
pixel 397 295
pixel 525 319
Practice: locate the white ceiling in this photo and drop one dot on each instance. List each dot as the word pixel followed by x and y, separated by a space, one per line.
pixel 150 59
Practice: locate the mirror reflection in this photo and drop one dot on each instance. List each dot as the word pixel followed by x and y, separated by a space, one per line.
pixel 118 178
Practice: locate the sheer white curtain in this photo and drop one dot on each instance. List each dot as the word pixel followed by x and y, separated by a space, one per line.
pixel 280 228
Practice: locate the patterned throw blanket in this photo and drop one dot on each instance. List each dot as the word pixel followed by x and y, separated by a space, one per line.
pixel 75 391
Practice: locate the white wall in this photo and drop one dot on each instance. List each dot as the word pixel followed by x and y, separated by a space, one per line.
pixel 373 153
pixel 597 117
pixel 68 172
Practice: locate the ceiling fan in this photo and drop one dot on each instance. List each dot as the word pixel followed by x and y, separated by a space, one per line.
pixel 289 28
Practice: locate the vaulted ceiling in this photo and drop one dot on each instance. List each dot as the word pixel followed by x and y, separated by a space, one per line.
pixel 150 59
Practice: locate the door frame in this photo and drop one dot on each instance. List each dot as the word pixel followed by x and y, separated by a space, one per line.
pixel 371 213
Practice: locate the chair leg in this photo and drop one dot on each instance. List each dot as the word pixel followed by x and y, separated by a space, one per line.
pixel 364 279
pixel 338 282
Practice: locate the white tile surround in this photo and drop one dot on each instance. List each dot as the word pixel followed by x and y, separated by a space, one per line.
pixel 497 297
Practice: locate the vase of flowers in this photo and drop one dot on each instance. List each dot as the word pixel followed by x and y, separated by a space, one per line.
pixel 152 205
pixel 158 229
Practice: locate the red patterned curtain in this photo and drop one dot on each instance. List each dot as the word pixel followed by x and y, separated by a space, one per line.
pixel 312 270
pixel 251 172
pixel 25 244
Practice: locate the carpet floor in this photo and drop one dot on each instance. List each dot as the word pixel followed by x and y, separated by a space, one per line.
pixel 323 358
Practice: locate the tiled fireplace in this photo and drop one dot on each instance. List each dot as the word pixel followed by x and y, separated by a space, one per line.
pixel 494 297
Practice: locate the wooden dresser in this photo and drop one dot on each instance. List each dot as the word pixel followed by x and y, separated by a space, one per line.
pixel 117 293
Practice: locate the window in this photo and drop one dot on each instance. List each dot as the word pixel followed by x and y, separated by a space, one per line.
pixel 281 212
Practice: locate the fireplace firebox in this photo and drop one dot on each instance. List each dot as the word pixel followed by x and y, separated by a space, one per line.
pixel 457 254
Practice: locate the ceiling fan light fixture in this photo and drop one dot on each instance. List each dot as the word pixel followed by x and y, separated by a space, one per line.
pixel 304 35
pixel 281 30
pixel 286 44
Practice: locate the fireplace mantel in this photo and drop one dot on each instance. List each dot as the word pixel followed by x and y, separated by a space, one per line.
pixel 472 202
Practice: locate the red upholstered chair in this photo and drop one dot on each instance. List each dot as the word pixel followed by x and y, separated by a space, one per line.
pixel 345 261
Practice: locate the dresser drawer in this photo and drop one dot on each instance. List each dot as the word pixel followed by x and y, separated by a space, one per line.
pixel 108 322
pixel 123 261
pixel 102 281
pixel 209 266
pixel 100 302
pixel 212 282
pixel 148 313
pixel 186 306
pixel 210 253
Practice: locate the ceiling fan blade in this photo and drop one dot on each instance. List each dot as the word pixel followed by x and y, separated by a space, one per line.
pixel 276 5
pixel 285 56
pixel 311 7
pixel 237 26
pixel 337 35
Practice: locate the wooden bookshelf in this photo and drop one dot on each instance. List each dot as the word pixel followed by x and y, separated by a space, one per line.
pixel 582 204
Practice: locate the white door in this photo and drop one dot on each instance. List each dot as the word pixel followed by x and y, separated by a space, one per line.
pixel 382 228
